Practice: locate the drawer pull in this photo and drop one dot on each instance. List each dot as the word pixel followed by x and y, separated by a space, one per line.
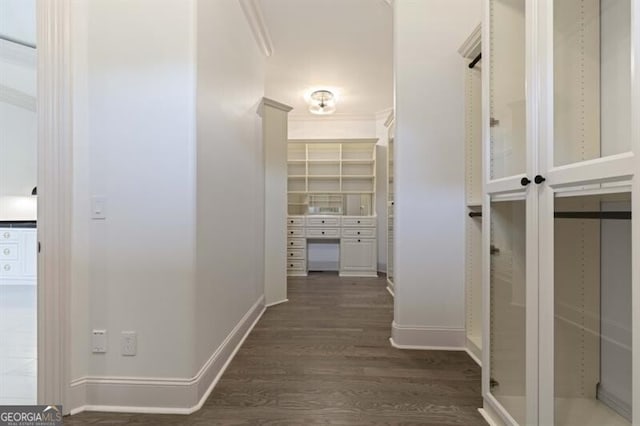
pixel 358 240
pixel 7 268
pixel 322 232
pixel 291 243
pixel 291 265
pixel 358 221
pixel 358 232
pixel 291 232
pixel 291 254
pixel 6 252
pixel 7 235
pixel 290 221
pixel 323 221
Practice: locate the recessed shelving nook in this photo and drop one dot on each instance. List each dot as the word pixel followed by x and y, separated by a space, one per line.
pixel 331 192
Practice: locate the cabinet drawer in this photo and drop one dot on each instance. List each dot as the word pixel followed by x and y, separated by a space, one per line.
pixel 296 243
pixel 295 265
pixel 8 252
pixel 10 269
pixel 7 235
pixel 295 254
pixel 295 221
pixel 359 221
pixel 323 232
pixel 359 232
pixel 295 232
pixel 323 221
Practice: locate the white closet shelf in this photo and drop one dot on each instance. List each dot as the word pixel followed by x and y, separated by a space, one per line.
pixel 324 176
pixel 297 161
pixel 323 161
pixel 363 161
pixel 358 176
pixel 297 176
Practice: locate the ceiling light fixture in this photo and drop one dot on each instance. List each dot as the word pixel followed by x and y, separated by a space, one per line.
pixel 322 102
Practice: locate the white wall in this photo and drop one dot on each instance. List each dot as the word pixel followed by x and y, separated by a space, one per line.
pixel 230 179
pixel 18 125
pixel 166 128
pixel 140 97
pixel 429 244
pixel 333 127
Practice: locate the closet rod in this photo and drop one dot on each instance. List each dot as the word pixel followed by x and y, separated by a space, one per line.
pixel 16 41
pixel 475 61
pixel 582 215
pixel 593 215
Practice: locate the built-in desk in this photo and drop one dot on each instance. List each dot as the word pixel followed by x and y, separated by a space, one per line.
pixel 356 235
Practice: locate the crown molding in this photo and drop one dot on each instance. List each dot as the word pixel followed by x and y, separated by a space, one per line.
pixel 17 98
pixel 388 2
pixel 255 19
pixel 276 104
pixel 332 117
pixel 472 46
pixel 383 114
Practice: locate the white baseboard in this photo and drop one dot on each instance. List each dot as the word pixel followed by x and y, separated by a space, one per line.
pixel 487 417
pixel 473 357
pixel 355 274
pixel 391 288
pixel 163 395
pixel 276 303
pixel 427 338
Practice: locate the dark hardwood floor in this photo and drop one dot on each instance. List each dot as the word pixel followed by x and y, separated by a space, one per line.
pixel 325 358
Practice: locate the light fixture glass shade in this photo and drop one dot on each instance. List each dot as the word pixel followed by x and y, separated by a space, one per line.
pixel 322 102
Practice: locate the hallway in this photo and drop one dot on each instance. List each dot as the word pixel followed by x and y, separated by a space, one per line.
pixel 324 358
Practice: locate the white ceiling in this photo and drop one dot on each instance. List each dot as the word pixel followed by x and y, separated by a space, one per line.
pixel 341 45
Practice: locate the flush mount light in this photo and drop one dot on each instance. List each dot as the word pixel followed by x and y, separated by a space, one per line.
pixel 322 102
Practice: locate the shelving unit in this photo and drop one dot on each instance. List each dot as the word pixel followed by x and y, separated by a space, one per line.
pixel 473 194
pixel 331 199
pixel 341 168
pixel 391 206
pixel 559 318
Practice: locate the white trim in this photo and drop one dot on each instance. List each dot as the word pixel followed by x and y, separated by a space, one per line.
pixel 473 357
pixel 270 305
pixel 487 418
pixel 343 140
pixel 425 348
pixel 358 274
pixel 55 134
pixel 275 104
pixel 472 45
pixel 255 19
pixel 297 117
pixel 391 288
pixel 160 395
pixel 17 98
pixel 433 338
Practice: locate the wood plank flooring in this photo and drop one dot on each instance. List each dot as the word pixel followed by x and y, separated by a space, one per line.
pixel 324 358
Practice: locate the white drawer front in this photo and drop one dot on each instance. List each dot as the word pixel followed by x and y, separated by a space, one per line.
pixel 296 243
pixel 323 221
pixel 323 232
pixel 295 232
pixel 295 254
pixel 8 252
pixel 359 221
pixel 7 235
pixel 10 269
pixel 295 221
pixel 295 265
pixel 359 232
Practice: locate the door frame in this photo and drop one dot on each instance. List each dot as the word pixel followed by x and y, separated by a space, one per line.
pixel 55 131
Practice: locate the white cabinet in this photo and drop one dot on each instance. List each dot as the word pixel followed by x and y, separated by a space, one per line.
pixel 358 256
pixel 560 239
pixel 18 256
pixel 355 234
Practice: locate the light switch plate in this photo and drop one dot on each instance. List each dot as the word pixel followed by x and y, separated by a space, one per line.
pixel 98 207
pixel 99 341
pixel 129 343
